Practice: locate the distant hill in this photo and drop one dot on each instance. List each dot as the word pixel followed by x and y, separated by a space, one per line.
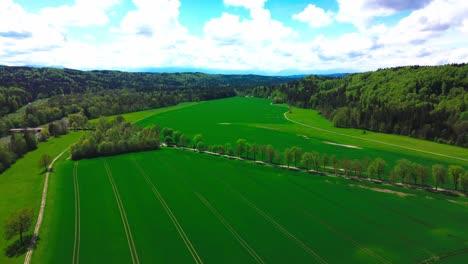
pixel 424 102
pixel 34 83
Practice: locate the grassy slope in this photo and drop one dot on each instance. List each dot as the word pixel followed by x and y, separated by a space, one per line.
pixel 139 116
pixel 257 121
pixel 21 185
pixel 20 112
pixel 311 208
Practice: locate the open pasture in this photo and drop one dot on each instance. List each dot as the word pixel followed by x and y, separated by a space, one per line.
pixel 258 121
pixel 176 206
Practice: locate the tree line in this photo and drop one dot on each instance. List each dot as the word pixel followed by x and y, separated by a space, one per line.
pixel 21 143
pixel 113 137
pixel 404 171
pixel 425 102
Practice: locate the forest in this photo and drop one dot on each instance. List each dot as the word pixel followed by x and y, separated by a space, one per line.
pixel 100 93
pixel 429 102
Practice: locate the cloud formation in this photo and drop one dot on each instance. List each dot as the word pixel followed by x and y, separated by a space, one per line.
pixel 314 16
pixel 151 35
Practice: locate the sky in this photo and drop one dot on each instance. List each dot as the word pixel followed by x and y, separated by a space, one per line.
pixel 274 37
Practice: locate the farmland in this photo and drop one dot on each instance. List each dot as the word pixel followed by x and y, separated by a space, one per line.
pixel 257 121
pixel 177 206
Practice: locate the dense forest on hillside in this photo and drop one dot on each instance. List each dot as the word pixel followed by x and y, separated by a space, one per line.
pixel 20 85
pixel 425 102
pixel 98 93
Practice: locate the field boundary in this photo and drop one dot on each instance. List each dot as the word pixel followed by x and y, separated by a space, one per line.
pixel 76 242
pixel 329 174
pixel 234 233
pixel 40 217
pixel 373 140
pixel 123 215
pixel 171 215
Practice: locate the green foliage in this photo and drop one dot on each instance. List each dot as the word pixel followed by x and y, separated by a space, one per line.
pixel 455 173
pixel 18 223
pixel 439 172
pixel 113 137
pixel 44 161
pixel 425 102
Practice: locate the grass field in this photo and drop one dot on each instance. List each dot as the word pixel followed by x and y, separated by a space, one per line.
pixel 21 185
pixel 20 112
pixel 176 206
pixel 258 121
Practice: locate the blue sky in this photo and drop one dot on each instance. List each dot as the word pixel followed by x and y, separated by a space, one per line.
pixel 248 36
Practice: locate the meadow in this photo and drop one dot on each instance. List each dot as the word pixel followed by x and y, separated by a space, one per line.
pixel 178 206
pixel 21 185
pixel 258 121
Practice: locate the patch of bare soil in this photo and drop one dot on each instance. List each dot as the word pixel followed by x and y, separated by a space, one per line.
pixel 401 194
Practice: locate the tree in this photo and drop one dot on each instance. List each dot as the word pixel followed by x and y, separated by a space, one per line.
pixel 167 132
pixel 335 163
pixel 18 223
pixel 464 181
pixel 455 173
pixel 403 169
pixel 176 136
pixel 168 140
pixel 439 172
pixel 31 141
pixel 254 150
pixel 357 167
pixel 372 170
pixel 288 156
pixel 270 153
pixel 241 147
pixel 307 160
pixel 297 153
pixel 263 151
pixel 184 141
pixel 422 173
pixel 78 120
pixel 325 161
pixel 380 165
pixel 196 139
pixel 201 146
pixel 316 160
pixel 346 164
pixel 44 161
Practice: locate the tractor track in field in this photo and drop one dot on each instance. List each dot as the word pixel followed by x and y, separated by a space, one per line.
pixel 234 233
pixel 444 256
pixel 171 215
pixel 328 226
pixel 76 242
pixel 373 140
pixel 40 216
pixel 283 230
pixel 123 215
pixel 276 224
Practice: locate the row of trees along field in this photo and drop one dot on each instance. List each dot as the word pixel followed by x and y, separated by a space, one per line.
pixel 21 143
pixel 424 102
pixel 404 171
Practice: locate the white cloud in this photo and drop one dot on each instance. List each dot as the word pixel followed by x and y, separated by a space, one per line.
pixel 249 4
pixel 314 16
pixel 81 13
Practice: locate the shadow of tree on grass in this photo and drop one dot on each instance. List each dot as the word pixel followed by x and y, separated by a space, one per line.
pixel 17 248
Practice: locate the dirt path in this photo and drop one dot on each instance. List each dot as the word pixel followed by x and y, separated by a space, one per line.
pixel 372 140
pixel 123 214
pixel 40 217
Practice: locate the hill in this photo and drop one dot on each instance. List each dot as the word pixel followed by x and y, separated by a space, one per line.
pixel 36 83
pixel 424 102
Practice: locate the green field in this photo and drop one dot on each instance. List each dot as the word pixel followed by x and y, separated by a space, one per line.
pixel 21 185
pixel 257 121
pixel 176 206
